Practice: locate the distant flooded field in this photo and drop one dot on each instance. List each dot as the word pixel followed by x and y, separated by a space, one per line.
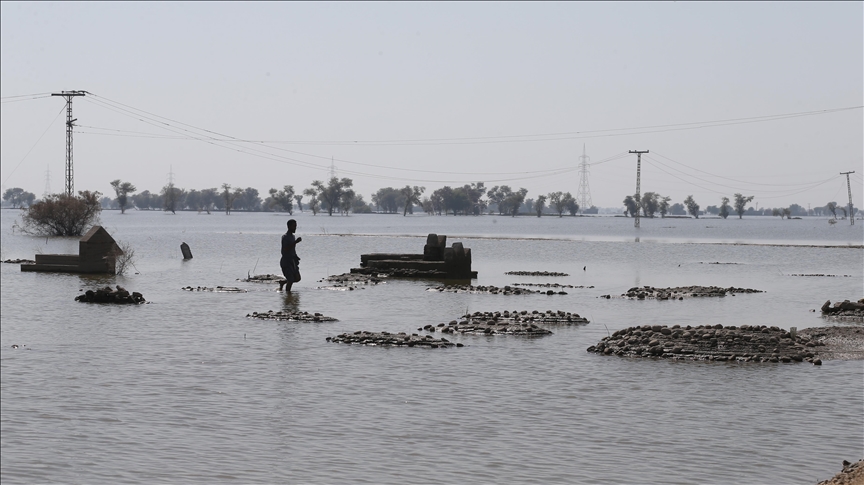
pixel 188 389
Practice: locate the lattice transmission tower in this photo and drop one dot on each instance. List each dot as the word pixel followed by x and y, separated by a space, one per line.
pixel 70 125
pixel 47 191
pixel 583 194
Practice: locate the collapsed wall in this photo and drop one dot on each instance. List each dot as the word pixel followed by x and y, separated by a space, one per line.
pixel 437 261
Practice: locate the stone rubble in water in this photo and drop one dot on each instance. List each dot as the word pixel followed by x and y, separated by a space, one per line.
pixel 680 292
pixel 351 281
pixel 711 342
pixel 550 285
pixel 488 327
pixel 19 261
pixel 549 317
pixel 535 273
pixel 107 295
pixel 492 290
pixel 291 316
pixel 387 339
pixel 218 289
pixel 262 278
pixel 844 309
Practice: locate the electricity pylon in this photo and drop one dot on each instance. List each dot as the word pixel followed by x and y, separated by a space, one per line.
pixel 583 196
pixel 68 95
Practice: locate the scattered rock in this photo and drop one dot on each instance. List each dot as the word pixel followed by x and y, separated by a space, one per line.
pixel 351 281
pixel 549 317
pixel 262 278
pixel 291 316
pixel 479 325
pixel 218 289
pixel 19 261
pixel 680 292
pixel 107 295
pixel 535 273
pixel 387 339
pixel 492 290
pixel 550 285
pixel 852 474
pixel 713 342
pixel 844 309
pixel 837 343
pixel 824 275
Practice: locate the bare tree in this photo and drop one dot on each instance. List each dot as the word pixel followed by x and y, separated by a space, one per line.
pixel 229 196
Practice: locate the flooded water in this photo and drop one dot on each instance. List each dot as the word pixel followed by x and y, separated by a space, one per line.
pixel 187 389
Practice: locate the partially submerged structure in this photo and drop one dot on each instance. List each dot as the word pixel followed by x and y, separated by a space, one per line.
pixel 437 261
pixel 97 253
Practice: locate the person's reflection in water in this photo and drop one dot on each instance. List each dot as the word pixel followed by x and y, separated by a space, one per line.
pixel 290 302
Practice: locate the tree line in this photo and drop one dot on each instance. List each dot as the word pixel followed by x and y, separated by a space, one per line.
pixel 337 195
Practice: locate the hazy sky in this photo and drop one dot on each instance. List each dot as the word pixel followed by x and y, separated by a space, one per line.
pixel 438 94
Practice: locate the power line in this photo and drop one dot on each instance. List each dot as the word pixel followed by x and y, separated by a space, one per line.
pixel 216 142
pixel 25 95
pixel 34 145
pixel 26 99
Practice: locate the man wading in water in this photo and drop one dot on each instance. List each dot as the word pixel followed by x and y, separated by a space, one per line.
pixel 290 262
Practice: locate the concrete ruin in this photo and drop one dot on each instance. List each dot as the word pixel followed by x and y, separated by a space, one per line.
pixel 437 261
pixel 97 253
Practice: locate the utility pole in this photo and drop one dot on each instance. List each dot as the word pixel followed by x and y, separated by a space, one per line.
pixel 332 169
pixel 638 181
pixel 584 193
pixel 68 95
pixel 849 187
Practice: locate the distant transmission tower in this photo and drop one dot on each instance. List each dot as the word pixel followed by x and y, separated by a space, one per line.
pixel 583 195
pixel 68 95
pixel 332 169
pixel 171 175
pixel 47 191
pixel 638 182
pixel 849 187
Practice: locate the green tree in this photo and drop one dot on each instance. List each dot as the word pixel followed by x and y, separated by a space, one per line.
pixel 18 197
pixel 314 205
pixel 62 215
pixel 740 204
pixel 557 202
pixel 515 200
pixel 171 198
pixel 123 189
pixel 412 196
pixel 330 195
pixel 663 207
pixel 299 199
pixel 832 208
pixel 284 198
pixel 650 203
pixel 724 208
pixel 692 206
pixel 539 205
pixel 631 205
pixel 571 204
